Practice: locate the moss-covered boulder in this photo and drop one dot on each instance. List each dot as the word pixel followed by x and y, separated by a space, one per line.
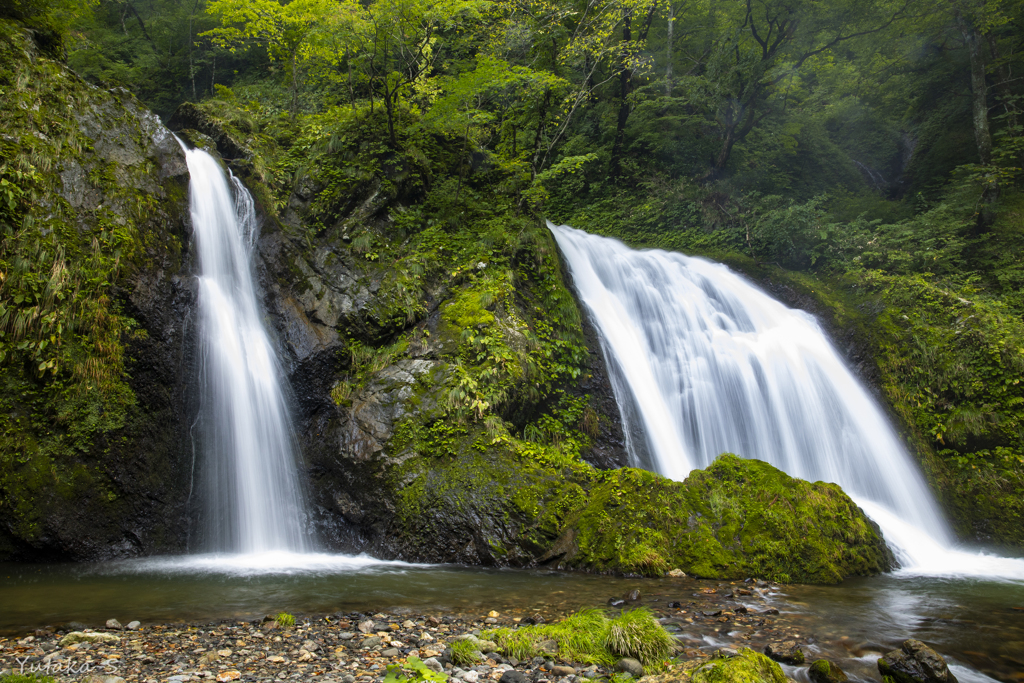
pixel 737 518
pixel 746 667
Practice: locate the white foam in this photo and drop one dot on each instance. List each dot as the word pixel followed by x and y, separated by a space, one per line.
pixel 255 564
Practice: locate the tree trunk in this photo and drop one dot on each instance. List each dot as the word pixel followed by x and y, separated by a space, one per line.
pixel 979 90
pixel 668 49
pixel 625 87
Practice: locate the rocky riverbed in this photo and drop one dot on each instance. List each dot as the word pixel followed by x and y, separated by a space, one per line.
pixel 358 647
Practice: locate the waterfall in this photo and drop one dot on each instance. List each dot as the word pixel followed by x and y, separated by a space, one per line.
pixel 253 497
pixel 702 362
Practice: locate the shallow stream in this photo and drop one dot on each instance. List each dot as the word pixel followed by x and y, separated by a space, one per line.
pixel 977 625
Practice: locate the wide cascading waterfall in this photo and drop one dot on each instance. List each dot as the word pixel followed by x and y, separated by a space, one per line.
pixel 254 501
pixel 708 363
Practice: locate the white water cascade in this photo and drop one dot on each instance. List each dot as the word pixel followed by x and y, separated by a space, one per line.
pixel 702 362
pixel 254 501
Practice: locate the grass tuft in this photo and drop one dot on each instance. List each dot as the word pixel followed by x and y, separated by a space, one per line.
pixel 464 653
pixel 590 637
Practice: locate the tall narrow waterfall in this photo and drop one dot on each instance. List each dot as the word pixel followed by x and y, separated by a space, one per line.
pixel 702 362
pixel 253 497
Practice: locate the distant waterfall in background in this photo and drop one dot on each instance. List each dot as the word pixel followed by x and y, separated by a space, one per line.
pixel 254 501
pixel 702 362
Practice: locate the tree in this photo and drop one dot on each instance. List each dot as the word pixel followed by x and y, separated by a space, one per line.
pixel 772 40
pixel 284 30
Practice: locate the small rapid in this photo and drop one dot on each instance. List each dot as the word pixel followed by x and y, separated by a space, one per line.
pixel 702 362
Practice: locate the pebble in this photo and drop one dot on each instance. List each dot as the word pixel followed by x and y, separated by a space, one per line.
pixel 330 650
pixel 133 625
pixel 114 624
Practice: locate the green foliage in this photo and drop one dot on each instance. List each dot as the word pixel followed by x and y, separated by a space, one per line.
pixel 284 620
pixel 413 670
pixel 31 678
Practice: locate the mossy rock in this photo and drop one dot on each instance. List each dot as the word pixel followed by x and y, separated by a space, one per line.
pixel 746 667
pixel 824 671
pixel 737 518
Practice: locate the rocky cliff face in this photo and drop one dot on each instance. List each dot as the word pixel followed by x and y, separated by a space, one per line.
pixel 450 401
pixel 95 459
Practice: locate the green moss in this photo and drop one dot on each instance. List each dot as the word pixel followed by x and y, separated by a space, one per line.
pixel 746 667
pixel 76 224
pixel 591 637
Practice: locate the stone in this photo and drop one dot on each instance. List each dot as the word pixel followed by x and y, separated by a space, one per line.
pixel 372 641
pixel 616 602
pixel 365 626
pixel 548 646
pixel 434 665
pixel 348 678
pixel 493 614
pixel 225 676
pixel 99 678
pixel 824 671
pixel 88 637
pixel 747 666
pixel 346 635
pixel 408 624
pixel 562 671
pixel 915 662
pixel 513 676
pixel 490 620
pixel 208 658
pixel 630 666
pixel 677 574
pixel 471 676
pixel 787 653
pixel 114 624
pixel 390 652
pixel 133 625
pixel 310 646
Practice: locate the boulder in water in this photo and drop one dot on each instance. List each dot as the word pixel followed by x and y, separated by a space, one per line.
pixel 915 662
pixel 787 653
pixel 824 671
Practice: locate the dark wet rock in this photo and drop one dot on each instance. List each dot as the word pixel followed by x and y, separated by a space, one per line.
pixel 630 666
pixel 915 662
pixel 787 652
pixel 562 671
pixel 616 602
pixel 513 676
pixel 632 596
pixel 825 671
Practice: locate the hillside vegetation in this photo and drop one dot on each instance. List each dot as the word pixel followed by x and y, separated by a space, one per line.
pixel 861 159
